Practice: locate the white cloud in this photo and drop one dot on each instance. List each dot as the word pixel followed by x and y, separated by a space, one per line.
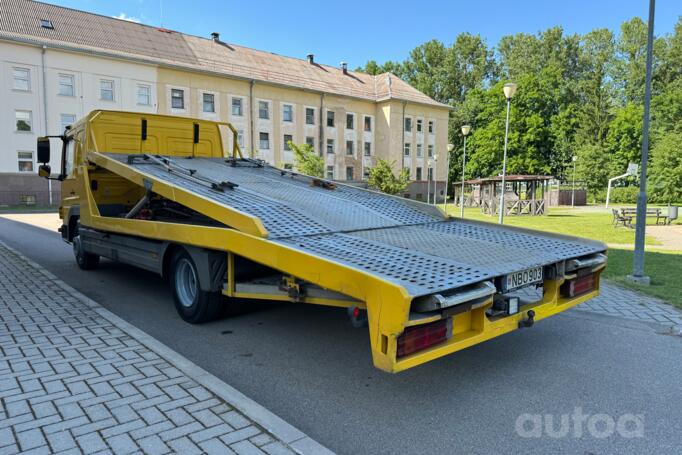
pixel 125 17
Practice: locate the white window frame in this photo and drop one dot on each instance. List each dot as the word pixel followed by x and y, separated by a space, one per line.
pixel 408 124
pixel 352 147
pixel 351 116
pixel 26 79
pixel 139 91
pixel 420 150
pixel 420 125
pixel 262 103
pixel 102 90
pixel 352 172
pixel 203 103
pixel 25 160
pixel 240 105
pixel 184 102
pixel 62 124
pixel 432 127
pixel 72 85
pixel 306 115
pixel 332 118
pixel 407 149
pixel 30 121
pixel 429 149
pixel 365 151
pixel 260 140
pixel 330 146
pixel 285 145
pixel 291 111
pixel 330 172
pixel 364 123
pixel 240 138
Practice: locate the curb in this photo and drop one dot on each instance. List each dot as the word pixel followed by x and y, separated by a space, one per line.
pixel 282 430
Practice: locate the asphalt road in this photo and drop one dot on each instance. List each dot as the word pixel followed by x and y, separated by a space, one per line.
pixel 308 365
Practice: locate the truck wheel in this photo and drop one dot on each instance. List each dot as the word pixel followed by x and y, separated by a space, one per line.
pixel 85 260
pixel 192 303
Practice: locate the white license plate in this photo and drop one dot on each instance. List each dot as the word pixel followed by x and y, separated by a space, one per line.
pixel 523 278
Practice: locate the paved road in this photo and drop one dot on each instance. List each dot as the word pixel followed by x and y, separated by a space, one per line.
pixel 311 368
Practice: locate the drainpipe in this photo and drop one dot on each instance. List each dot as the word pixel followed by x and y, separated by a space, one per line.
pixel 45 115
pixel 251 114
pixel 322 128
pixel 402 150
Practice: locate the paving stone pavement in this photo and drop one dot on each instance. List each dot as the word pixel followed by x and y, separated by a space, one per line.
pixel 74 380
pixel 615 300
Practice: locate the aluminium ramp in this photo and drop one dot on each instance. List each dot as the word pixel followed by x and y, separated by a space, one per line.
pixel 405 242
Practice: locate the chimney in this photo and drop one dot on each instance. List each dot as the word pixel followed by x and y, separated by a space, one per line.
pixel 311 58
pixel 344 67
pixel 215 36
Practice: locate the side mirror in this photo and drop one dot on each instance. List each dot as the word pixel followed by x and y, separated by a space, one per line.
pixel 44 171
pixel 43 150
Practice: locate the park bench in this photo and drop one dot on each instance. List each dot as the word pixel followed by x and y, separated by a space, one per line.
pixel 619 218
pixel 650 213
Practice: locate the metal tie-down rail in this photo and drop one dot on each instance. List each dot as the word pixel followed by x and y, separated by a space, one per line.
pixel 191 174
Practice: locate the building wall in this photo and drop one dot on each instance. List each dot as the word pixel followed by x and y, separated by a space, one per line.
pixel 385 138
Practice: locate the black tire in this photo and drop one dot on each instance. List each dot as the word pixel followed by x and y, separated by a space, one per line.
pixel 192 303
pixel 85 260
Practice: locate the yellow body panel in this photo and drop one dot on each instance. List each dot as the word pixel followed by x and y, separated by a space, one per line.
pixel 387 303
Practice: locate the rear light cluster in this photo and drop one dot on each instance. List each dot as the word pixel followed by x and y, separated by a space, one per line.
pixel 578 286
pixel 420 337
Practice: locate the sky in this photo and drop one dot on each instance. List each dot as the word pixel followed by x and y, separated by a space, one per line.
pixel 356 31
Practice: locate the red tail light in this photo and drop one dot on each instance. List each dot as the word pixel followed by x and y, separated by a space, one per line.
pixel 420 337
pixel 578 286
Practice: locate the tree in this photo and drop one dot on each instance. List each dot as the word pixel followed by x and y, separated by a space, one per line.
pixel 306 160
pixel 592 167
pixel 624 139
pixel 382 178
pixel 666 169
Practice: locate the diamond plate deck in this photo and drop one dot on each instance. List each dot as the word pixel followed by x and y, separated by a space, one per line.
pixel 402 241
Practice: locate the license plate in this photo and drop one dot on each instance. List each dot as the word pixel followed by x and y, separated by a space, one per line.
pixel 523 278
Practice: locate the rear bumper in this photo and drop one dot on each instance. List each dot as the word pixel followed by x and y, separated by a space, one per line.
pixel 474 327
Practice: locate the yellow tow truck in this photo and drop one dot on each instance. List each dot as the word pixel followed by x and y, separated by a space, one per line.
pixel 163 193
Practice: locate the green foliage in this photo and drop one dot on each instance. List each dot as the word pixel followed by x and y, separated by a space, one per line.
pixel 577 95
pixel 665 174
pixel 306 160
pixel 382 178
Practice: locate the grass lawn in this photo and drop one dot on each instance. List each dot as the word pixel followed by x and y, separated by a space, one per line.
pixel 663 266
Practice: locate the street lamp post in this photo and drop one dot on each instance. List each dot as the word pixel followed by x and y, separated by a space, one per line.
pixel 435 179
pixel 451 147
pixel 509 92
pixel 465 132
pixel 575 158
pixel 429 163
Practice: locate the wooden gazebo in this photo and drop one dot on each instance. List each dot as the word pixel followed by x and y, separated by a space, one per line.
pixel 524 194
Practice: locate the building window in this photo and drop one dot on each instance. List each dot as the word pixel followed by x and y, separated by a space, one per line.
pixel 237 107
pixel 420 153
pixel 66 120
pixel 430 150
pixel 24 120
pixel 209 102
pixel 408 124
pixel 288 166
pixel 287 139
pixel 349 147
pixel 287 113
pixel 25 161
pixel 430 173
pixel 309 116
pixel 368 123
pixel 46 23
pixel 431 126
pixel 350 121
pixel 264 141
pixel 144 95
pixel 349 172
pixel 419 173
pixel 365 173
pixel 67 85
pixel 368 149
pixel 177 98
pixel 330 145
pixel 419 125
pixel 22 79
pixel 263 110
pixel 407 148
pixel 330 172
pixel 106 90
pixel 330 118
pixel 310 141
pixel 240 138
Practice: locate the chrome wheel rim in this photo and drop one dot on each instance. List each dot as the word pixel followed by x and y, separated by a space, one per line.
pixel 185 282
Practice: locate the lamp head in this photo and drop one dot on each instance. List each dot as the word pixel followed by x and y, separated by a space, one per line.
pixel 466 129
pixel 509 90
pixel 575 158
pixel 451 147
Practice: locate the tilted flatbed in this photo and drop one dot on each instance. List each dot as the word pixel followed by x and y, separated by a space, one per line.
pixel 155 190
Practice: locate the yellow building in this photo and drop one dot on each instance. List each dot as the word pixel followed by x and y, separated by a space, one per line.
pixel 350 118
